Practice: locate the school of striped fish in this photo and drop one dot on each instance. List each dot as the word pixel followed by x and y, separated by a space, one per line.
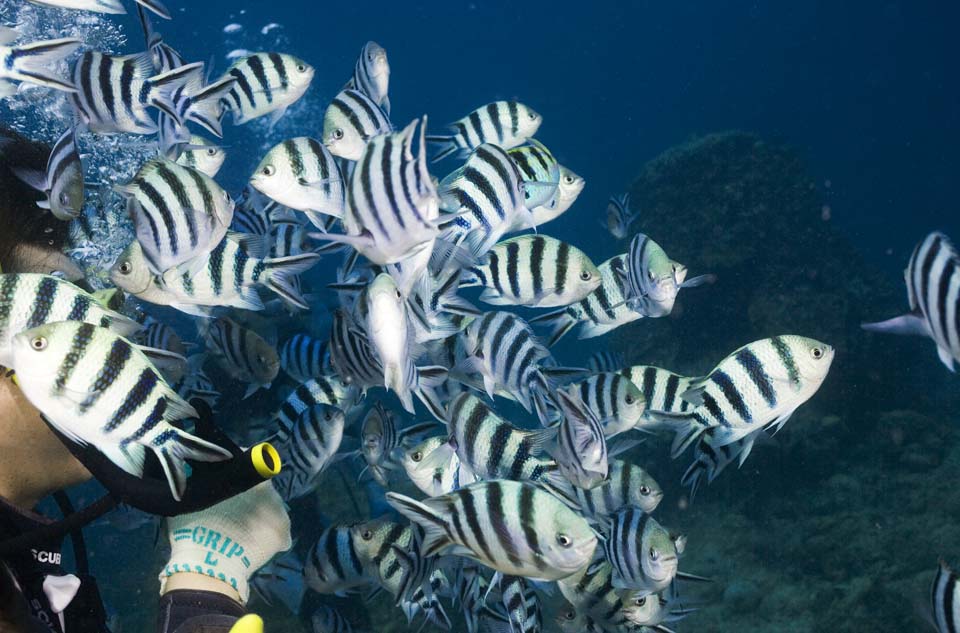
pixel 510 479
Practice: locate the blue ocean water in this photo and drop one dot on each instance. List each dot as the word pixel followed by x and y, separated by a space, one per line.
pixel 837 525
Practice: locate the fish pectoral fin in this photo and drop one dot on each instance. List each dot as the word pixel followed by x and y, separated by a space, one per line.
pixel 164 360
pixel 694 393
pixel 912 324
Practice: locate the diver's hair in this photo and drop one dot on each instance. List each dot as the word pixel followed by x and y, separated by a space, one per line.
pixel 22 222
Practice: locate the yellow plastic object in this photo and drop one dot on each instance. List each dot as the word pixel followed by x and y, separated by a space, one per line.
pixel 251 623
pixel 266 460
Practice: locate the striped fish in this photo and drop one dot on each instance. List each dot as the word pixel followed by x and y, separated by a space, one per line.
pixel 266 83
pixel 106 6
pixel 613 399
pixel 308 449
pixel 203 156
pixel 304 357
pixel 945 601
pixel 380 437
pixel 619 216
pixel 165 57
pixel 570 187
pixel 642 554
pixel 28 300
pixel 228 277
pixel 627 484
pixel 253 213
pixel 933 289
pixel 654 280
pixel 352 354
pixel 302 174
pixel 328 390
pixel 434 478
pixel 159 335
pixel 194 100
pixel 506 124
pixel 114 93
pixel 328 620
pixel 536 271
pixel 390 554
pixel 709 460
pixel 438 312
pixel 540 172
pixel 569 621
pixel 757 387
pixel 62 182
pixel 333 566
pixel 98 389
pixel 592 595
pixel 351 120
pixel 392 213
pixel 371 75
pixel 512 527
pixel 242 354
pixel 605 360
pixel 391 334
pixel 30 63
pixel 288 239
pixel 520 600
pixel 487 196
pixel 652 610
pixel 661 390
pixel 179 212
pixel 581 451
pixel 602 311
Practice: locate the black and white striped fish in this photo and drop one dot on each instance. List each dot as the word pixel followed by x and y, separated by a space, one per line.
pixel 304 357
pixel 614 399
pixel 242 353
pixel 540 172
pixel 945 601
pixel 487 196
pixel 114 93
pixel 654 280
pixel 333 566
pixel 351 120
pixel 256 214
pixel 371 75
pixel 226 277
pixel 318 391
pixel 571 185
pixel 661 389
pixel 62 182
pixel 535 271
pixel 159 335
pixel 203 156
pixel 619 216
pixel 757 387
pixel 605 360
pixel 437 311
pixel 651 611
pixel 506 124
pixel 581 451
pixel 352 354
pixel 96 388
pixel 592 595
pixel 933 289
pixel 266 83
pixel 180 213
pixel 506 353
pixel 194 100
pixel 602 311
pixel 505 525
pixel 626 484
pixel 30 63
pixel 432 477
pixel 522 605
pixel 308 449
pixel 288 239
pixel 380 437
pixel 709 460
pixel 302 174
pixel 642 554
pixel 28 300
pixel 165 57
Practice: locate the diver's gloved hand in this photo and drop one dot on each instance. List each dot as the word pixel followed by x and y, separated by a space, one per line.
pixel 229 541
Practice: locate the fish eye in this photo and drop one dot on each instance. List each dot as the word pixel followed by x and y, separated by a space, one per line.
pixel 652 275
pixel 366 535
pixel 125 268
pixel 640 601
pixel 629 400
pixel 563 540
pixel 369 57
pixel 568 180
pixel 261 359
pixel 268 170
pixel 39 343
pixel 817 353
pixel 338 134
pixel 533 116
pixel 644 490
pixel 64 198
pixel 399 294
pixel 585 275
pixel 569 614
pixel 301 68
pixel 654 554
pixel 417 456
pixel 212 151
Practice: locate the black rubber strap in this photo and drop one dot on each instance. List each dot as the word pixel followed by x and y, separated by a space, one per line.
pixel 189 611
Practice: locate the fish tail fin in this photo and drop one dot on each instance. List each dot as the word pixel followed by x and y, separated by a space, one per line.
pixel 434 526
pixel 182 446
pixel 559 321
pixel 686 426
pixel 164 85
pixel 281 272
pixel 912 324
pixel 693 476
pixel 31 62
pixel 448 146
pixel 205 105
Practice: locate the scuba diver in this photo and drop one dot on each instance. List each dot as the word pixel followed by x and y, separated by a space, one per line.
pixel 227 524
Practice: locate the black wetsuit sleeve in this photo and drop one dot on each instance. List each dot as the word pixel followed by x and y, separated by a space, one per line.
pixel 188 611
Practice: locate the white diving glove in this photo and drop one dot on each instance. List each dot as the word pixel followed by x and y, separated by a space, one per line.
pixel 231 540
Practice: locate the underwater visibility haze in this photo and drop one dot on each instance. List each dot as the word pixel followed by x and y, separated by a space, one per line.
pixel 481 316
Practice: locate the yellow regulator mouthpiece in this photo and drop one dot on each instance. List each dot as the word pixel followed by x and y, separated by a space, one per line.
pixel 266 460
pixel 251 623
